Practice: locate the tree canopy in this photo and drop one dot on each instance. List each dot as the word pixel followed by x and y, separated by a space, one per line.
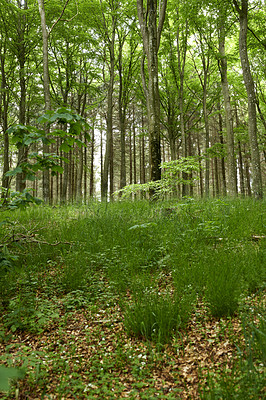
pixel 156 82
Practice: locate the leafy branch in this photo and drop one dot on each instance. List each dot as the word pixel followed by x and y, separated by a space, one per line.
pixel 171 177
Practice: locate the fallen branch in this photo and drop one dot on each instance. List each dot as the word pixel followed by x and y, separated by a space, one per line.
pixel 30 239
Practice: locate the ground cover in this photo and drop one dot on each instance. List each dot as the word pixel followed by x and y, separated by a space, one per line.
pixel 135 300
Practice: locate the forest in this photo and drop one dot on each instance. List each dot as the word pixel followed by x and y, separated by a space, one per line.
pixel 132 211
pixel 178 82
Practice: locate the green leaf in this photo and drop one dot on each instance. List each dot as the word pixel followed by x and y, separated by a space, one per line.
pixel 13 172
pixel 59 132
pixel 87 136
pixel 62 118
pixel 75 128
pixel 6 374
pixel 57 168
pixel 65 147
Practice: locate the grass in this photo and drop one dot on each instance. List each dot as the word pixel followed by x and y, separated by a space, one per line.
pixel 134 299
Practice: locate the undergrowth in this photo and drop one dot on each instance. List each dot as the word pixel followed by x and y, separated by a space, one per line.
pixel 155 260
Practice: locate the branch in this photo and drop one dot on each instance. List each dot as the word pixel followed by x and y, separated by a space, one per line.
pixel 143 26
pixel 258 39
pixel 58 19
pixel 238 9
pixel 162 12
pixel 30 239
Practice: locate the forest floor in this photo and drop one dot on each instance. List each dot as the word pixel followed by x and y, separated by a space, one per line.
pixel 78 280
pixel 87 354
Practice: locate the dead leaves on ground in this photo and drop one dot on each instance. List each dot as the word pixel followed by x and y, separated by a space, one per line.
pixel 88 344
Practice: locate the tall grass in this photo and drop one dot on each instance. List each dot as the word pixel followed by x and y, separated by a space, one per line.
pixel 206 247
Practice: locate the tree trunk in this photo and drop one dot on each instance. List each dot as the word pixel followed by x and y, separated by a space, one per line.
pixel 151 35
pixel 181 69
pixel 232 181
pixel 241 170
pixel 249 84
pixel 92 164
pixel 207 137
pixel 122 123
pixel 200 167
pixel 109 122
pixel 222 159
pixel 3 117
pixel 46 88
pixel 23 151
pixel 80 169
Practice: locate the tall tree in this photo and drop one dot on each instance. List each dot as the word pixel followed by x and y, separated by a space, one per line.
pixel 242 9
pixel 222 63
pixel 151 27
pixel 46 88
pixel 4 100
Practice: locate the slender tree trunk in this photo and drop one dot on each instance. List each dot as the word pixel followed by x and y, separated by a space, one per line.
pixel 80 170
pixel 130 159
pixel 46 88
pixel 241 170
pixel 3 117
pixel 23 151
pixel 222 159
pixel 200 166
pixel 122 124
pixel 134 153
pixel 108 162
pixel 249 84
pixel 207 137
pixel 109 134
pixel 232 181
pixel 181 69
pixel 85 173
pixel 246 159
pixel 151 35
pixel 92 164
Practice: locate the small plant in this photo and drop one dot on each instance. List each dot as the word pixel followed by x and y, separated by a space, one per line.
pixel 157 316
pixel 224 283
pixel 21 200
pixel 75 300
pixel 171 177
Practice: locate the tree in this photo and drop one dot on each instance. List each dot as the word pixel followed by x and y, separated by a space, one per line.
pixel 242 10
pixel 46 88
pixel 222 63
pixel 151 28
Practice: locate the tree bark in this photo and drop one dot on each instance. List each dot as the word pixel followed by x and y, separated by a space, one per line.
pixel 222 159
pixel 23 151
pixel 222 63
pixel 3 118
pixel 109 120
pixel 46 89
pixel 92 163
pixel 249 84
pixel 151 35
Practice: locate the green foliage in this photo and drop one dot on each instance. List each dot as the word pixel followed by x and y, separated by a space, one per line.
pixel 224 283
pixel 171 176
pixel 19 200
pixel 152 316
pixel 150 261
pixel 28 135
pixel 9 373
pixel 156 314
pixel 6 259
